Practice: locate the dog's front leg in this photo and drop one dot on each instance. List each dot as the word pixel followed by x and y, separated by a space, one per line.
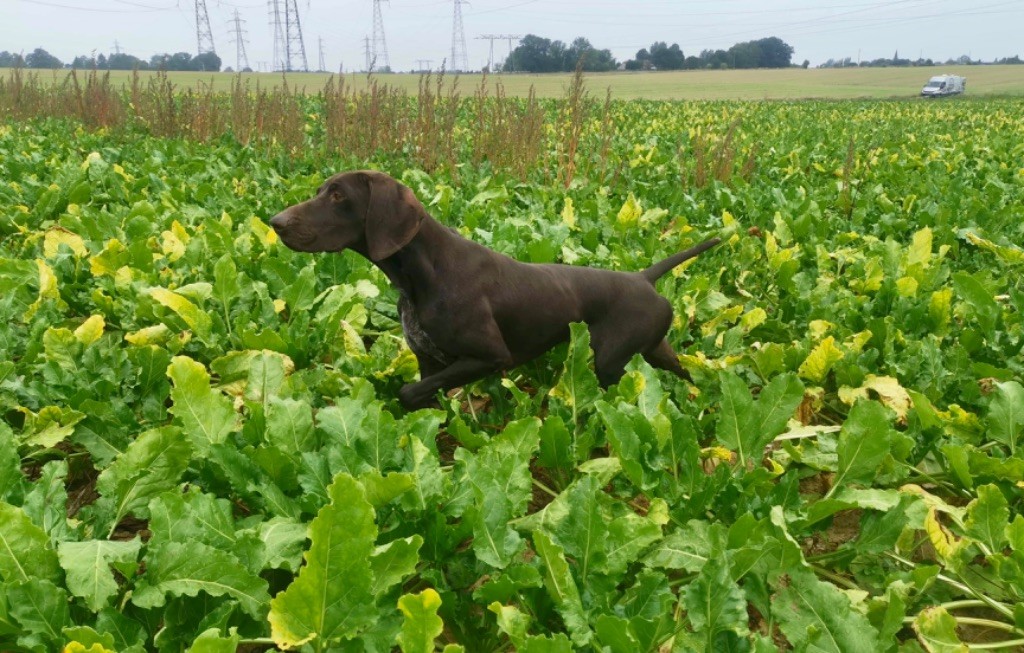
pixel 420 394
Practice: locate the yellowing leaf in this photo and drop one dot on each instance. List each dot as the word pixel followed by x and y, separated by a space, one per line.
pixel 266 235
pixel 279 305
pixel 948 547
pixel 194 317
pixel 47 287
pixel 54 238
pixel 890 392
pixel 113 256
pixel 154 335
pixel 90 330
pixel 753 319
pixel 94 157
pixel 940 307
pixel 856 342
pixel 921 248
pixel 820 361
pixel 630 212
pixel 172 246
pixel 78 647
pixel 819 328
pixel 727 316
pixel 569 214
pixel 906 286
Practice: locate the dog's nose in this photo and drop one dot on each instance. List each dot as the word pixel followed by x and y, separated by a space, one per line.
pixel 279 221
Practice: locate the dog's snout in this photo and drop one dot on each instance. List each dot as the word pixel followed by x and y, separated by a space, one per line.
pixel 279 221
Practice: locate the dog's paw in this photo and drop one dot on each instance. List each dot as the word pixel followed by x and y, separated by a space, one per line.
pixel 413 397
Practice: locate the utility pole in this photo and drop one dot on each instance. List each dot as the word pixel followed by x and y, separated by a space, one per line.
pixel 323 62
pixel 423 65
pixel 241 58
pixel 369 54
pixel 379 59
pixel 204 36
pixel 460 58
pixel 117 47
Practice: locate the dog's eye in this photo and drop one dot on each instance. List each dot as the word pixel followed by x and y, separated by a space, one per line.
pixel 337 197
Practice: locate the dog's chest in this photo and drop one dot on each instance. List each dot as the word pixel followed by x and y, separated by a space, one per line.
pixel 420 343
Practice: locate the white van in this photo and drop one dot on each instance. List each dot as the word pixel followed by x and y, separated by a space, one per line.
pixel 943 85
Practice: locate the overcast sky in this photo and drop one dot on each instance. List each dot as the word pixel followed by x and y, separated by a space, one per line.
pixel 422 29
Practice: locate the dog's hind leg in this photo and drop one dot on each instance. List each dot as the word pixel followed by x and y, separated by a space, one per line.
pixel 664 358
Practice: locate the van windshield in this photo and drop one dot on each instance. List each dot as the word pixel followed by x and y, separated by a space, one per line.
pixel 935 84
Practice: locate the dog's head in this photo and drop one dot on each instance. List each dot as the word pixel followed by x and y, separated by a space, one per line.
pixel 366 211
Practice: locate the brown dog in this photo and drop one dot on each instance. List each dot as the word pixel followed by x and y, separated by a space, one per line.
pixel 468 311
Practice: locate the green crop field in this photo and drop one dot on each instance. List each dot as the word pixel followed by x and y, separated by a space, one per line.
pixel 794 83
pixel 201 446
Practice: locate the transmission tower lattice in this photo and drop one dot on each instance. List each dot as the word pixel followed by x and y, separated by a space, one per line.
pixel 379 51
pixel 204 36
pixel 289 47
pixel 496 37
pixel 460 58
pixel 293 33
pixel 241 58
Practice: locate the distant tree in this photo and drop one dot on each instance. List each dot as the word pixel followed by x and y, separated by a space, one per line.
pixel 594 60
pixel 123 61
pixel 82 62
pixel 11 60
pixel 746 55
pixel 806 64
pixel 536 54
pixel 775 53
pixel 642 61
pixel 205 62
pixel 179 61
pixel 667 57
pixel 40 58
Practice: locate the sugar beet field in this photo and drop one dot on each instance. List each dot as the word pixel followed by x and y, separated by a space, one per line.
pixel 202 448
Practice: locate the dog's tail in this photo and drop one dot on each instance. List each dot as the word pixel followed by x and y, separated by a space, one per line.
pixel 660 268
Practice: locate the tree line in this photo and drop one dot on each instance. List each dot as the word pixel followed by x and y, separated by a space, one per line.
pixel 536 54
pixel 896 61
pixel 40 58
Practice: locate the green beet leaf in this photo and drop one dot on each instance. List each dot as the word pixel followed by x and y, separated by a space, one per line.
pixel 562 589
pixel 331 598
pixel 179 569
pixel 863 444
pixel 206 415
pixel 88 568
pixel 25 551
pixel 577 385
pixel 42 611
pixel 987 518
pixel 500 477
pixel 1006 415
pixel 817 616
pixel 152 464
pixel 714 603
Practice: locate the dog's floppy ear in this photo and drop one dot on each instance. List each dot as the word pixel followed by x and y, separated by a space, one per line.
pixel 393 216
